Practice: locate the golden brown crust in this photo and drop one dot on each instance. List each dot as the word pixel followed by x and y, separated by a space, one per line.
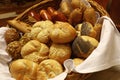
pixel 48 69
pixel 14 49
pixel 83 46
pixel 63 32
pixel 77 61
pixel 60 52
pixel 11 35
pixel 23 69
pixel 35 51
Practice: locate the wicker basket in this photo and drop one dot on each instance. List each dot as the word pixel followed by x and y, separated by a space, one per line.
pixel 52 3
pixel 55 3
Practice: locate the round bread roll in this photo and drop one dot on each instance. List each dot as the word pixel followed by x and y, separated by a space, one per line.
pixel 75 16
pixel 23 69
pixel 48 69
pixel 60 52
pixel 35 51
pixel 90 15
pixel 83 46
pixel 41 31
pixel 14 49
pixel 65 7
pixel 62 32
pixel 77 61
pixel 11 35
pixel 86 29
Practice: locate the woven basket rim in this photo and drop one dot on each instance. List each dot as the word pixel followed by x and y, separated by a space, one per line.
pixel 93 3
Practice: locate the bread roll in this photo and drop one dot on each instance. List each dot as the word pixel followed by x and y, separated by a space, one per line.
pixel 83 46
pixel 75 16
pixel 41 31
pixel 60 52
pixel 86 29
pixel 14 49
pixel 12 35
pixel 62 32
pixel 77 61
pixel 48 69
pixel 78 4
pixel 90 15
pixel 35 51
pixel 65 7
pixel 23 69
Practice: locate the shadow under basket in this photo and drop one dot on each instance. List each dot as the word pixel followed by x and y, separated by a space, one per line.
pixel 55 4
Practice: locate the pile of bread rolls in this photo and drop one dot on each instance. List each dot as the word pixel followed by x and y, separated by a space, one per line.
pixel 55 36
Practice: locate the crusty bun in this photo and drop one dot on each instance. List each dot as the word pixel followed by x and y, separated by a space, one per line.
pixel 65 7
pixel 77 61
pixel 75 16
pixel 35 51
pixel 83 46
pixel 14 49
pixel 63 32
pixel 23 69
pixel 48 69
pixel 11 35
pixel 60 52
pixel 41 31
pixel 90 15
pixel 86 29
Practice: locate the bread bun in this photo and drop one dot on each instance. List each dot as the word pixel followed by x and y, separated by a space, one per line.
pixel 14 49
pixel 11 35
pixel 86 29
pixel 35 51
pixel 48 69
pixel 65 7
pixel 83 46
pixel 90 15
pixel 23 69
pixel 60 52
pixel 77 61
pixel 75 16
pixel 41 31
pixel 63 32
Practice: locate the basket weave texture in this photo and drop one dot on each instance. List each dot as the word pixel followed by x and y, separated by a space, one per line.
pixel 55 3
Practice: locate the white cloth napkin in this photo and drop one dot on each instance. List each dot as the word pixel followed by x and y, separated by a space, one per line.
pixel 4 57
pixel 106 55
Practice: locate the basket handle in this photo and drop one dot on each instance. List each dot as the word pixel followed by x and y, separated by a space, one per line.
pixel 32 7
